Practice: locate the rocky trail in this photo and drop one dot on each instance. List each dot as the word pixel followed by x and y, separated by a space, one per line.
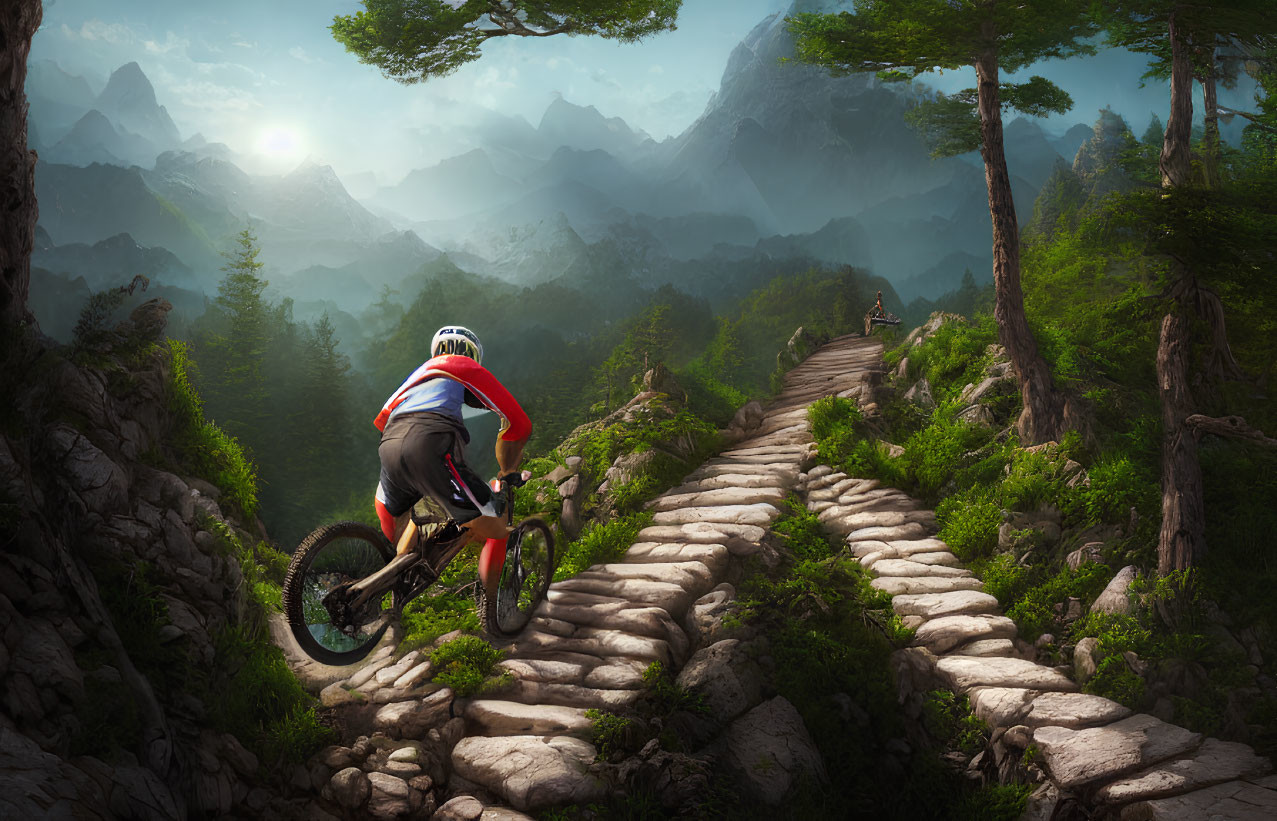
pixel 421 752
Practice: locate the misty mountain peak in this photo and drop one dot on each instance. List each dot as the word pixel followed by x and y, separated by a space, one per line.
pixel 130 88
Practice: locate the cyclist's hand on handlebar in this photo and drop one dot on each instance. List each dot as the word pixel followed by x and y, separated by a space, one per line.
pixel 516 478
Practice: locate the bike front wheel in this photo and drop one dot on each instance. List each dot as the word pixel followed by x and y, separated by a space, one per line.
pixel 525 577
pixel 327 561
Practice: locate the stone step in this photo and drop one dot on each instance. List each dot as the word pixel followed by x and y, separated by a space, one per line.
pixel 910 531
pixel 669 597
pixel 895 585
pixel 591 641
pixel 685 574
pixel 1009 706
pixel 781 475
pixel 962 673
pixel 713 556
pixel 849 523
pixel 731 480
pixel 942 634
pixel 904 567
pixel 493 717
pixel 626 617
pixel 570 695
pixel 766 450
pixel 1097 754
pixel 723 496
pixel 760 515
pixel 703 533
pixel 934 605
pixel 530 773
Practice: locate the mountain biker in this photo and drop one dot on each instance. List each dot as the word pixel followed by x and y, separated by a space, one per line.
pixel 423 445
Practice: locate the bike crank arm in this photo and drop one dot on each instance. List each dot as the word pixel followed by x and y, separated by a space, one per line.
pixel 378 583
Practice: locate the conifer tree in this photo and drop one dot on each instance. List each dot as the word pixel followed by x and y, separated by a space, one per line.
pixel 901 39
pixel 235 352
pixel 413 40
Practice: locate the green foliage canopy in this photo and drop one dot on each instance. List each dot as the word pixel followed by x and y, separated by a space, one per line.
pixel 901 39
pixel 413 40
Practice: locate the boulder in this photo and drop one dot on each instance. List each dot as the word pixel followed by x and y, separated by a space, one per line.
pixel 770 751
pixel 350 787
pixel 530 772
pixel 920 394
pixel 1114 599
pixel 726 676
pixel 1009 706
pixel 942 634
pixel 461 808
pixel 1084 661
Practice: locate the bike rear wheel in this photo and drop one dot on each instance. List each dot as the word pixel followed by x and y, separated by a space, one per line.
pixel 330 557
pixel 529 566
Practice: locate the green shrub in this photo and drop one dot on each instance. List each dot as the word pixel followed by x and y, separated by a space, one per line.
pixel 995 802
pixel 1115 680
pixel 948 718
pixel 1117 485
pixel 610 733
pixel 1034 611
pixel 295 737
pixel 666 695
pixel 804 534
pixel 936 453
pixel 211 453
pixel 465 664
pixel 969 523
pixel 601 543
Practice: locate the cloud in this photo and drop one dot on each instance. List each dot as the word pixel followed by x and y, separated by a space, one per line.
pixel 172 44
pixel 96 30
pixel 657 69
pixel 299 53
pixel 604 79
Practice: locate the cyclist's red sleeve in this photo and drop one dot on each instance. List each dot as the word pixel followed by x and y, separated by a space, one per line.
pixel 515 423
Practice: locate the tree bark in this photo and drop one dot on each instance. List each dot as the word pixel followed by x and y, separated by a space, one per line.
pixel 1210 106
pixel 1182 542
pixel 1176 162
pixel 19 20
pixel 1043 416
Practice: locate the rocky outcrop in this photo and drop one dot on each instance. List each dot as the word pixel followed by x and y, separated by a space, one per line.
pixel 117 583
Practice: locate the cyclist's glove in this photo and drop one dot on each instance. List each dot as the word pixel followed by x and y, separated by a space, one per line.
pixel 516 478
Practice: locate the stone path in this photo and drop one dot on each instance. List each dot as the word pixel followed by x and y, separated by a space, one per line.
pixel 590 642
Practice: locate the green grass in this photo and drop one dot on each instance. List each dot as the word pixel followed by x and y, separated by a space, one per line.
pixel 600 543
pixel 466 663
pixel 207 449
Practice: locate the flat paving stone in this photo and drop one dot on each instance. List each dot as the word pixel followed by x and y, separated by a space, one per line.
pixel 987 648
pixel 933 605
pixel 702 533
pixel 908 547
pixel 594 642
pixel 1010 706
pixel 1078 757
pixel 964 672
pixel 493 717
pixel 713 556
pixel 913 530
pixel 684 574
pixel 571 695
pixel 671 598
pixel 1215 762
pixel 628 617
pixel 895 585
pixel 731 480
pixel 939 557
pixel 942 634
pixel 1232 801
pixel 732 496
pixel 904 567
pixel 759 515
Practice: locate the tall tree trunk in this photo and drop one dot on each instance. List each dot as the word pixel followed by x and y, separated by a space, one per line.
pixel 1210 106
pixel 1182 542
pixel 19 20
pixel 1043 416
pixel 1176 162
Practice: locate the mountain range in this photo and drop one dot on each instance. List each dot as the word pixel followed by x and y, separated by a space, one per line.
pixel 786 162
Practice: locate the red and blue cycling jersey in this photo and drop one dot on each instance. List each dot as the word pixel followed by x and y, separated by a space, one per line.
pixel 440 385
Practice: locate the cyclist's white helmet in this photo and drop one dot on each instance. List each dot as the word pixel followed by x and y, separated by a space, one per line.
pixel 454 339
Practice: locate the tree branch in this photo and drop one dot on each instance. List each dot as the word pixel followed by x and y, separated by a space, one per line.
pixel 1231 112
pixel 1232 427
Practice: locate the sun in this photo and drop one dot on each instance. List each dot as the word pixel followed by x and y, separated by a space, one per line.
pixel 279 141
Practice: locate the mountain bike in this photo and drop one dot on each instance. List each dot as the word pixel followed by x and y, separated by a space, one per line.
pixel 345 586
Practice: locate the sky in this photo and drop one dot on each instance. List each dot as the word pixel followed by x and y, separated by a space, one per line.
pixel 267 78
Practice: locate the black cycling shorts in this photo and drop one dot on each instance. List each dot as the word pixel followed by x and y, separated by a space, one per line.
pixel 423 455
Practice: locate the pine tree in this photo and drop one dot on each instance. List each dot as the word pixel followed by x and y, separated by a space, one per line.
pixel 234 355
pixel 901 39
